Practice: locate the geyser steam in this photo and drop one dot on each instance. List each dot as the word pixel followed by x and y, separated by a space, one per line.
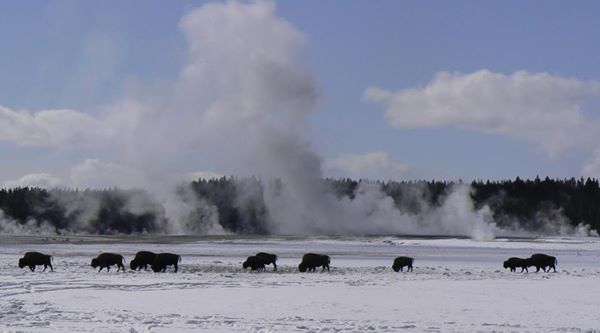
pixel 240 106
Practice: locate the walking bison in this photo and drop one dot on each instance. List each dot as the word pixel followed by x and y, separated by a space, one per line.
pixel 255 263
pixel 540 260
pixel 311 261
pixel 162 260
pixel 142 259
pixel 269 259
pixel 32 259
pixel 108 259
pixel 513 263
pixel 401 262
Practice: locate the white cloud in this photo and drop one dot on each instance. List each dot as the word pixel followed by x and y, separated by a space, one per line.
pixel 49 128
pixel 371 165
pixel 43 180
pixel 539 107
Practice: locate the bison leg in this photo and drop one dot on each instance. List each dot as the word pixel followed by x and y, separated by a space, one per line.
pixel 274 266
pixel 175 267
pixel 32 268
pixel 45 266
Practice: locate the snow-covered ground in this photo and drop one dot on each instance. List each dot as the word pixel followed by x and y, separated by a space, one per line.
pixel 458 285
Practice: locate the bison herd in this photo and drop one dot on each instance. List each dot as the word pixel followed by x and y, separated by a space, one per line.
pixel 538 260
pixel 159 262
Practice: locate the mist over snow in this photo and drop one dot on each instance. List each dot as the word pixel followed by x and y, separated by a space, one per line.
pixel 242 101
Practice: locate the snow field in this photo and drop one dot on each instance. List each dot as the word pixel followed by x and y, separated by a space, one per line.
pixel 456 286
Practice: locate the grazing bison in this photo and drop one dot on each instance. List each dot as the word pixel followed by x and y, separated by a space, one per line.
pixel 311 261
pixel 269 259
pixel 32 259
pixel 255 263
pixel 107 260
pixel 163 260
pixel 400 262
pixel 142 259
pixel 515 262
pixel 540 260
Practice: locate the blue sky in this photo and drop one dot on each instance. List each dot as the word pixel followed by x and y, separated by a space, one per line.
pixel 89 56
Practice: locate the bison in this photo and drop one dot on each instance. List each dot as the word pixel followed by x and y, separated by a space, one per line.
pixel 162 260
pixel 540 260
pixel 311 261
pixel 142 259
pixel 32 259
pixel 400 262
pixel 515 262
pixel 269 259
pixel 107 260
pixel 256 263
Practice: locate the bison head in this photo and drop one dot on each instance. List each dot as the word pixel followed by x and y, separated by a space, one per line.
pixel 133 265
pixel 396 268
pixel 506 264
pixel 95 262
pixel 246 264
pixel 157 268
pixel 22 263
pixel 302 268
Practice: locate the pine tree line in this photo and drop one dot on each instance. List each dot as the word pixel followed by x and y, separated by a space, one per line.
pixel 239 206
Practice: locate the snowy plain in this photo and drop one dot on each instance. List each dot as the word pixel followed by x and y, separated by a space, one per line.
pixel 458 285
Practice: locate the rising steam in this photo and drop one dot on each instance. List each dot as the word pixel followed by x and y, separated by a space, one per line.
pixel 241 105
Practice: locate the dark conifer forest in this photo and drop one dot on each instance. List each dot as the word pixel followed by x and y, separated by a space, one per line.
pixel 530 203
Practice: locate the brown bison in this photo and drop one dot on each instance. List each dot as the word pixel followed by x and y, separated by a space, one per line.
pixel 400 262
pixel 269 259
pixel 513 263
pixel 540 260
pixel 32 259
pixel 162 260
pixel 142 259
pixel 107 260
pixel 311 261
pixel 255 263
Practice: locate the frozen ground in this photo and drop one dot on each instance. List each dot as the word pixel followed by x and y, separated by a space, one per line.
pixel 458 285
